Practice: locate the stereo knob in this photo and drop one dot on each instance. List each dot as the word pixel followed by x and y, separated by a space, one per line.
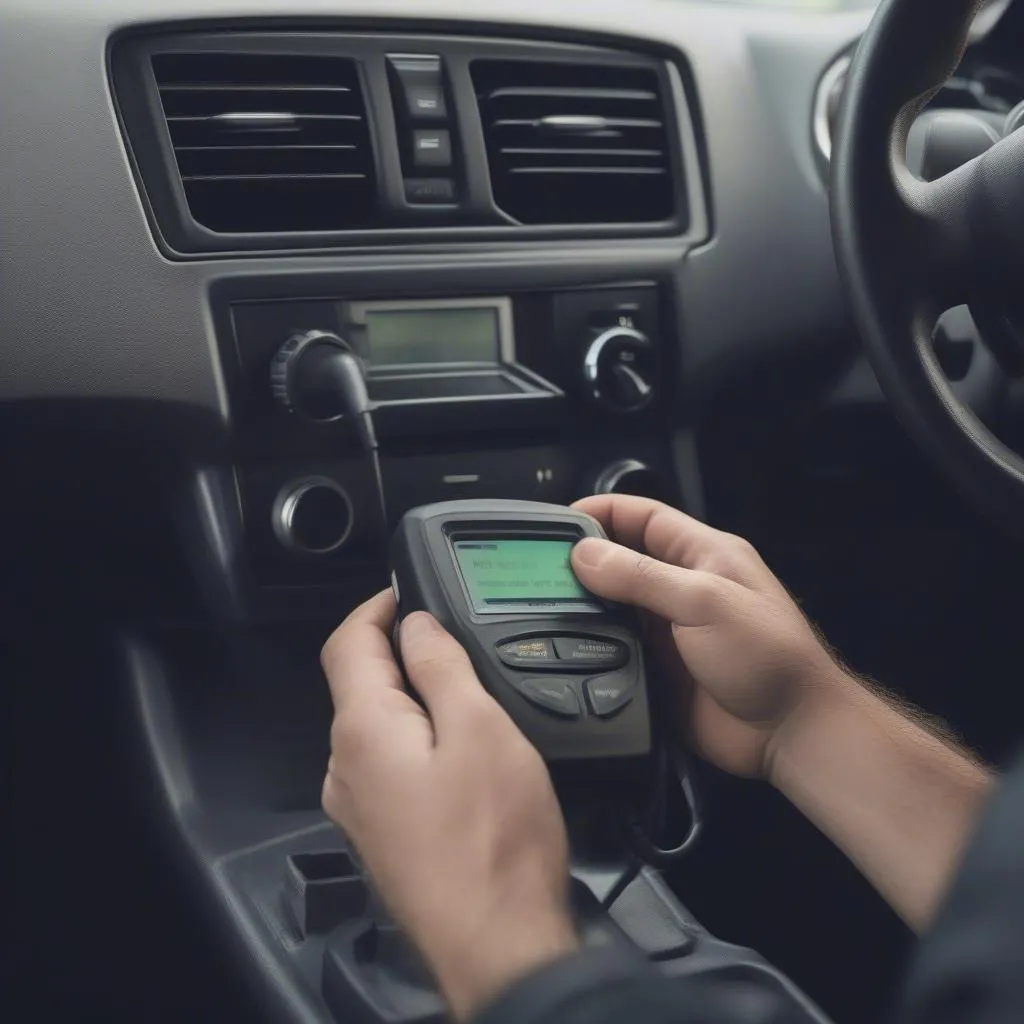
pixel 301 378
pixel 630 476
pixel 313 516
pixel 619 369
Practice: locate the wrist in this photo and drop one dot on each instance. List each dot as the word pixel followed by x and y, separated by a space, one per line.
pixel 830 692
pixel 476 970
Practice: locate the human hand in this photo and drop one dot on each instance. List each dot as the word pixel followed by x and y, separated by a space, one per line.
pixel 451 808
pixel 755 661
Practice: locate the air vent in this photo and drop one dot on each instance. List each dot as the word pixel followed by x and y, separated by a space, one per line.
pixel 269 143
pixel 576 143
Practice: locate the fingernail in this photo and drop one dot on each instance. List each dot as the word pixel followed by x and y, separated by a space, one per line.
pixel 419 626
pixel 591 552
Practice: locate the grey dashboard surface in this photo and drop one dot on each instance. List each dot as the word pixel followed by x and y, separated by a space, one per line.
pixel 90 308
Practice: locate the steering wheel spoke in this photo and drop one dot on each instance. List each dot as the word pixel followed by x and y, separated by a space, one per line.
pixel 966 229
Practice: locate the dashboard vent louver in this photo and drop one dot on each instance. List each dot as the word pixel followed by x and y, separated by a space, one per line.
pixel 269 142
pixel 576 143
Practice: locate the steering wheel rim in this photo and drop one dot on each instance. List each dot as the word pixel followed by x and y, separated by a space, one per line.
pixel 908 250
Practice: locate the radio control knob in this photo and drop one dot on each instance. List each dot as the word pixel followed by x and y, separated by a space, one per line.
pixel 312 516
pixel 619 369
pixel 630 476
pixel 300 376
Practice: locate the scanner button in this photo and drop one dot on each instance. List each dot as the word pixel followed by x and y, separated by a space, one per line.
pixel 552 695
pixel 527 653
pixel 589 653
pixel 608 695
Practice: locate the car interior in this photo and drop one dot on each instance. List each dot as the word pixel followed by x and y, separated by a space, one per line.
pixel 758 259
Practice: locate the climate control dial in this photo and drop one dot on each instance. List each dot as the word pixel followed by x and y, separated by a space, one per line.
pixel 620 370
pixel 631 476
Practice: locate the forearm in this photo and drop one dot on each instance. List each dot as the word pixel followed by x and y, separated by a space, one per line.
pixel 897 799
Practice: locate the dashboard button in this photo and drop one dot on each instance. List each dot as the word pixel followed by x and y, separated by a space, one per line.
pixel 529 653
pixel 589 652
pixel 430 190
pixel 420 82
pixel 432 148
pixel 426 102
pixel 554 695
pixel 608 695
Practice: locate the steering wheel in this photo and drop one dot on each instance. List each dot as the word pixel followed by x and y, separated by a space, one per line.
pixel 908 250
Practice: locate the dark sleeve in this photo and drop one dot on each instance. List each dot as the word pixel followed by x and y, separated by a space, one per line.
pixel 608 986
pixel 970 966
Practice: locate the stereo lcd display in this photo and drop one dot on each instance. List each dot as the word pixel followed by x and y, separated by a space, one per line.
pixel 410 337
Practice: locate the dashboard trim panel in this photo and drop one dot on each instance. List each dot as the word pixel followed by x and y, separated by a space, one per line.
pixel 93 309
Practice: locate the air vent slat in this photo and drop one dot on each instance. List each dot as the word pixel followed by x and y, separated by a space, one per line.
pixel 227 161
pixel 587 170
pixel 582 151
pixel 268 146
pixel 576 143
pixel 299 102
pixel 269 142
pixel 562 92
pixel 609 122
pixel 226 115
pixel 265 177
pixel 225 87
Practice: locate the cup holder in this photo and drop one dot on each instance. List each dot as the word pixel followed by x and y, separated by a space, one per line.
pixel 323 889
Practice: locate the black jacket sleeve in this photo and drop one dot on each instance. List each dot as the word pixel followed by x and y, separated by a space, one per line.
pixel 605 987
pixel 970 966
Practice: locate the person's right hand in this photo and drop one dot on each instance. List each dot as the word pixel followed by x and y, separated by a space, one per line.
pixel 754 659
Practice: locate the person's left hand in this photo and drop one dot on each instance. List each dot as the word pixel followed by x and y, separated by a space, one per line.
pixel 451 808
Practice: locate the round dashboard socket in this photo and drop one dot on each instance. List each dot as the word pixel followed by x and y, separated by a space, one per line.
pixel 313 516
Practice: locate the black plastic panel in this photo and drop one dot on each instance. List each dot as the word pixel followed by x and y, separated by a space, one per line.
pixel 559 473
pixel 184 215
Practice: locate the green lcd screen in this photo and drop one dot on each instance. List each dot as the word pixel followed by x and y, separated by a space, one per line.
pixel 399 337
pixel 510 575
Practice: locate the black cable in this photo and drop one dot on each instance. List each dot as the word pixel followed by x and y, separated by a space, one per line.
pixel 623 882
pixel 347 372
pixel 645 828
pixel 672 768
pixel 378 478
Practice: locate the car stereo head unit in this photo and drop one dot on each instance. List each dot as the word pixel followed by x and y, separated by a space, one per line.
pixel 439 349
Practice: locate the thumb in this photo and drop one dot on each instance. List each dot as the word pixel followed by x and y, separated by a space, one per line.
pixel 439 669
pixel 686 597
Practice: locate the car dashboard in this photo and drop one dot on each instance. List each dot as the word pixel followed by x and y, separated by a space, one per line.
pixel 166 243
pixel 561 238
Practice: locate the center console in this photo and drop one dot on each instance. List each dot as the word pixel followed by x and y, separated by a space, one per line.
pixel 536 393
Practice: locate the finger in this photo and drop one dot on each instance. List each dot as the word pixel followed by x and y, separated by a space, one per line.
pixel 440 670
pixel 357 658
pixel 672 536
pixel 685 597
pixel 647 525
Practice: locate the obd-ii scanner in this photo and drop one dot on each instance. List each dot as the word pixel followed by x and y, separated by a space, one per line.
pixel 567 667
